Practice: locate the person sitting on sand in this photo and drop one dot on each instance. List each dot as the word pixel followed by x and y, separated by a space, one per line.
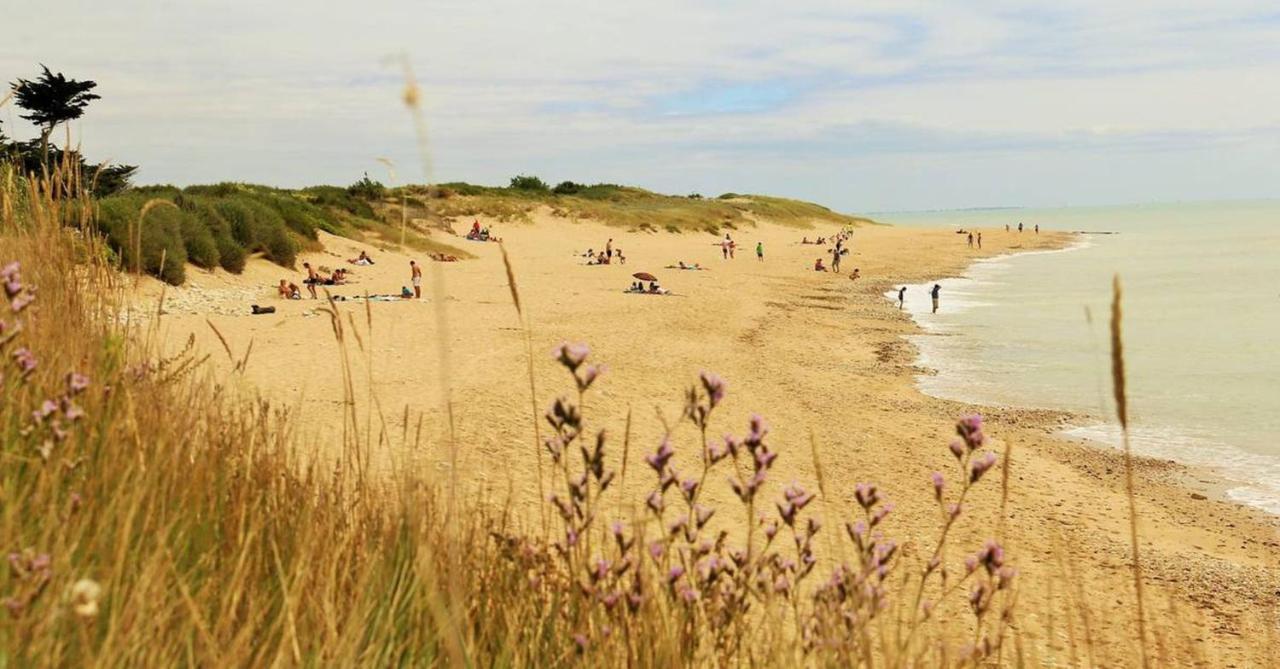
pixel 475 228
pixel 283 290
pixel 818 266
pixel 805 241
pixel 602 259
pixel 362 260
pixel 856 275
pixel 590 254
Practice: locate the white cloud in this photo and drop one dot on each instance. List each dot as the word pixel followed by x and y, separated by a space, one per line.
pixel 293 93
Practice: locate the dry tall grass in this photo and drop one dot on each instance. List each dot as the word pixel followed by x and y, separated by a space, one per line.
pixel 157 517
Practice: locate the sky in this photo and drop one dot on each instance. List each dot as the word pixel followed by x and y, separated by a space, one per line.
pixel 861 106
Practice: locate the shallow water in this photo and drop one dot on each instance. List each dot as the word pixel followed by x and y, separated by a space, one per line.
pixel 1201 329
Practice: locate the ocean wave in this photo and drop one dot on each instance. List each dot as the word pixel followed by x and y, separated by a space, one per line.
pixel 1255 478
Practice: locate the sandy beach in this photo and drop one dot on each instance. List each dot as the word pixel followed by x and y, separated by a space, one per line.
pixel 821 357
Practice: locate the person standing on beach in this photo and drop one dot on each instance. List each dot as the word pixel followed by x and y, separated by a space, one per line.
pixel 608 250
pixel 835 259
pixel 733 249
pixel 902 297
pixel 415 277
pixel 936 289
pixel 1006 227
pixel 1037 228
pixel 760 251
pixel 724 247
pixel 970 240
pixel 311 280
pixel 979 240
pixel 1019 226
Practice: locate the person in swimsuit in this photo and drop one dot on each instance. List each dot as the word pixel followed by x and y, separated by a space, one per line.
pixel 415 276
pixel 311 280
pixel 608 249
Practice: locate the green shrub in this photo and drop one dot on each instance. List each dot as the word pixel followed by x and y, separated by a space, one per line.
pixel 298 216
pixel 224 189
pixel 338 198
pixel 529 183
pixel 367 189
pixel 567 188
pixel 198 240
pixel 158 236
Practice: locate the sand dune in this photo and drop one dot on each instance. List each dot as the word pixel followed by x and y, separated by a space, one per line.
pixel 815 353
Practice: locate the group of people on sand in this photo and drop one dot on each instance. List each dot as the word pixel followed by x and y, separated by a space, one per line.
pixel 606 256
pixel 654 288
pixel 479 234
pixel 1006 227
pixel 838 251
pixel 340 276
pixel 971 237
pixel 290 291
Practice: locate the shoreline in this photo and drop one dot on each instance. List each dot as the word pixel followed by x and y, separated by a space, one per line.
pixel 814 352
pixel 1216 481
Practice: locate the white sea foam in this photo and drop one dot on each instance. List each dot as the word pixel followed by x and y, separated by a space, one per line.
pixel 1031 332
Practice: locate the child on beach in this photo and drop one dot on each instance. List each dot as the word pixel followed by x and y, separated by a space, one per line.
pixel 760 251
pixel 817 266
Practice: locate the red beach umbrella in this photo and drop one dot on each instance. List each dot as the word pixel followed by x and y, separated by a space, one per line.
pixel 645 276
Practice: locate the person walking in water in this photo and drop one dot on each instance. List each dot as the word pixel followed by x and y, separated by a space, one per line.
pixel 760 251
pixel 979 240
pixel 415 277
pixel 970 240
pixel 902 296
pixel 936 289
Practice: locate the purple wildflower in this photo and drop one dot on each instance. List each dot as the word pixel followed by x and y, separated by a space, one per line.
pixel 715 387
pixel 25 359
pixel 77 383
pixel 571 355
pixel 981 465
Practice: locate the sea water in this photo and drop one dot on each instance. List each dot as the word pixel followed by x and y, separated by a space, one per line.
pixel 1201 329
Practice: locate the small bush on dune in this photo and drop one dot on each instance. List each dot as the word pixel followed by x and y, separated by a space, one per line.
pixel 197 238
pixel 529 183
pixel 367 189
pixel 152 244
pixel 567 188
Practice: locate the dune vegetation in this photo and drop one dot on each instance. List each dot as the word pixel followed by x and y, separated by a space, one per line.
pixel 154 515
pixel 624 206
